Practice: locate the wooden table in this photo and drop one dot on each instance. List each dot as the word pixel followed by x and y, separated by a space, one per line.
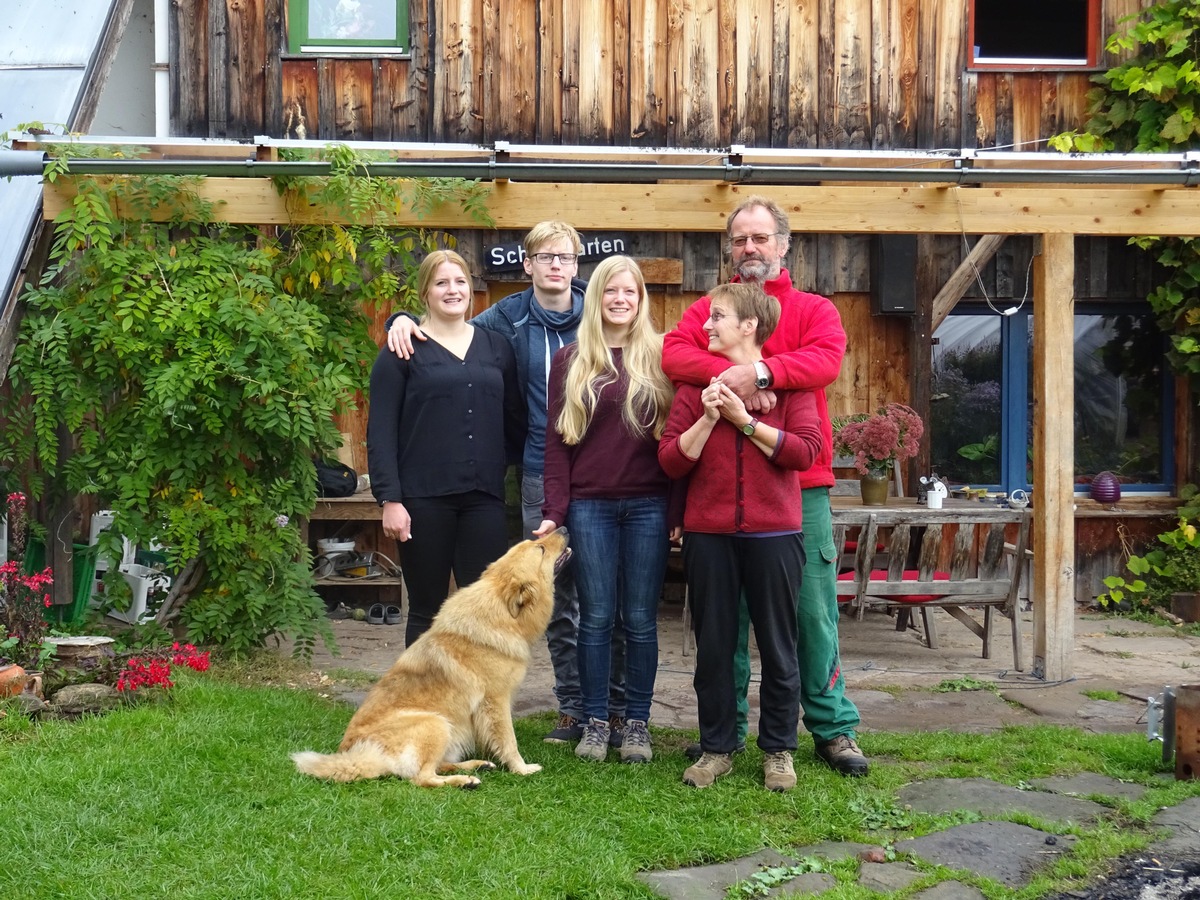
pixel 851 511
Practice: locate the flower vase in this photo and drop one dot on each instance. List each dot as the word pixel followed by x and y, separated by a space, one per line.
pixel 874 488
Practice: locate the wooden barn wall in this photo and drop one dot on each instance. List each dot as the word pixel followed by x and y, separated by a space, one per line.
pixel 833 74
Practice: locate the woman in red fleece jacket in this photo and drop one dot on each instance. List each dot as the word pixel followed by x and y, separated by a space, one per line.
pixel 742 532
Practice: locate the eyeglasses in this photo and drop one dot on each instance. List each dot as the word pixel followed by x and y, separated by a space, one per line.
pixel 759 239
pixel 546 258
pixel 716 316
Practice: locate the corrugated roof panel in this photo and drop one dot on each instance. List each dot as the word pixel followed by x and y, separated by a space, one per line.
pixel 51 32
pixel 46 47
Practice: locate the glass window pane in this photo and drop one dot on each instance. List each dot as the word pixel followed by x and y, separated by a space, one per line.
pixel 965 411
pixel 1118 398
pixel 352 20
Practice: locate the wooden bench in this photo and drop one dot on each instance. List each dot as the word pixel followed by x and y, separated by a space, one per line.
pixel 962 562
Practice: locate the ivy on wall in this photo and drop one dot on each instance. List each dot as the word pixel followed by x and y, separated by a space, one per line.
pixel 1151 103
pixel 186 373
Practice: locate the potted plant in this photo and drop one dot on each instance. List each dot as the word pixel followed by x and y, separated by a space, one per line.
pixel 877 442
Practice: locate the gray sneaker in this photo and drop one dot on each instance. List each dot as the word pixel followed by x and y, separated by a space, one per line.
pixel 779 774
pixel 707 769
pixel 594 743
pixel 636 746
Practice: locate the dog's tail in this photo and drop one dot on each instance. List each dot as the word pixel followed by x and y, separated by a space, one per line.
pixel 365 759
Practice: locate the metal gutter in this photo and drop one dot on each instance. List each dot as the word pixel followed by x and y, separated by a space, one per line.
pixel 1187 174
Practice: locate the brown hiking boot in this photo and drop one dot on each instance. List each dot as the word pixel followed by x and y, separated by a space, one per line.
pixel 707 769
pixel 779 774
pixel 843 756
pixel 568 729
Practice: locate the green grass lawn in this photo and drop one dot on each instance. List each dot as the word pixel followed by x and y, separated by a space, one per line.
pixel 195 796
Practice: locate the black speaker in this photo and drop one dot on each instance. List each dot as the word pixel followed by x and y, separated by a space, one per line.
pixel 893 274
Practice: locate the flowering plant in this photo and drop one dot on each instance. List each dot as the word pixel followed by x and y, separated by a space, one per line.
pixel 154 669
pixel 876 441
pixel 26 597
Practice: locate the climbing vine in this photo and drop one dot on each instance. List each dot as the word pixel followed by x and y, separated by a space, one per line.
pixel 1151 103
pixel 187 371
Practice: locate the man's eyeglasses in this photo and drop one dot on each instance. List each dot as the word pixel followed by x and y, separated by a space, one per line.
pixel 546 258
pixel 759 239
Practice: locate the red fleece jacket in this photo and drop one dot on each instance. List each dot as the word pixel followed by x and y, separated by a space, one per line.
pixel 804 353
pixel 734 487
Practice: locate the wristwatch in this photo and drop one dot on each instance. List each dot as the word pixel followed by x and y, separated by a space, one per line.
pixel 762 375
pixel 748 428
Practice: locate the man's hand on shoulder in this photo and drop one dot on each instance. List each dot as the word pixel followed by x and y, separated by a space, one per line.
pixel 740 379
pixel 400 336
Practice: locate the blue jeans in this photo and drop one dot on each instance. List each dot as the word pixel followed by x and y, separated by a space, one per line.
pixel 621 552
pixel 563 633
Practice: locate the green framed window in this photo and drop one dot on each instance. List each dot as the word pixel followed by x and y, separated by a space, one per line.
pixel 348 26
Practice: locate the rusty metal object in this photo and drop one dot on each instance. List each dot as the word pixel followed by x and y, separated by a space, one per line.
pixel 1186 605
pixel 1187 732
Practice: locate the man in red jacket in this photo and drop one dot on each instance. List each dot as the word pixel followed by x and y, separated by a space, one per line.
pixel 804 353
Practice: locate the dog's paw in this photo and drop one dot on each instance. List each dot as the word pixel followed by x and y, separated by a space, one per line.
pixel 487 767
pixel 527 769
pixel 471 783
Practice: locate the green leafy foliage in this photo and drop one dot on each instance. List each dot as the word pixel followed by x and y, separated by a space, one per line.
pixel 1151 103
pixel 1161 572
pixel 187 371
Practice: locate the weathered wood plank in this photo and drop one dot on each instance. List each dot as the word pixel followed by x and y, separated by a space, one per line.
pixel 595 49
pixel 851 392
pixel 189 49
pixel 1027 119
pixel 247 57
pixel 904 69
pixel 274 25
pixel 491 64
pixel 326 100
pixel 751 75
pixel 649 75
pixel 849 126
pixel 619 129
pixel 572 112
pixel 697 92
pixel 552 86
pixel 803 34
pixel 985 110
pixel 300 105
pixel 410 101
pixel 456 115
pixel 353 88
pixel 218 69
pixel 949 61
pixel 1053 457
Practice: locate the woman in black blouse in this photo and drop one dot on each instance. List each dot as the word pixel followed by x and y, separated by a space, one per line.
pixel 441 430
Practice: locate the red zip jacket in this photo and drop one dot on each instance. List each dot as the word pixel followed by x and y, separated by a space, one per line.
pixel 734 487
pixel 804 353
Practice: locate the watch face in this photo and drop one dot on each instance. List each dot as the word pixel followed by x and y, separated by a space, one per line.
pixel 760 382
pixel 749 427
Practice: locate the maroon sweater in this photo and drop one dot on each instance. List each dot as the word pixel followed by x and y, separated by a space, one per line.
pixel 734 488
pixel 610 462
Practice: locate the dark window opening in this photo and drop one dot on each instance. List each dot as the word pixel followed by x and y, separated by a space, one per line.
pixel 1034 33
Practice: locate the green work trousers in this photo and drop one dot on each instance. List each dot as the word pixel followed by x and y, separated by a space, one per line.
pixel 827 711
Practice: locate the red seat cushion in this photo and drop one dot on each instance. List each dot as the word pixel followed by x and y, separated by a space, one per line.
pixel 908 575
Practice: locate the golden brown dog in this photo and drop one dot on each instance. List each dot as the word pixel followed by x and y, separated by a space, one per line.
pixel 451 692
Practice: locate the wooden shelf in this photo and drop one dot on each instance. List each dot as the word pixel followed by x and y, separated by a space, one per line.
pixel 379 581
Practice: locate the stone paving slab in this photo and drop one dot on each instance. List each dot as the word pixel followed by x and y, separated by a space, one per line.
pixel 1089 784
pixel 950 890
pixel 711 882
pixel 1005 851
pixel 887 877
pixel 987 798
pixel 1184 822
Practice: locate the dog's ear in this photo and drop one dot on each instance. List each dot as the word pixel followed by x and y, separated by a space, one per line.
pixel 523 595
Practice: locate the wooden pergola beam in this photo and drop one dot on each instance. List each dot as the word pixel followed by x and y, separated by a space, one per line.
pixel 702 206
pixel 956 285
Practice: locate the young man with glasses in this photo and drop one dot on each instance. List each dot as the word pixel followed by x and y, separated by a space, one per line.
pixel 538 322
pixel 804 353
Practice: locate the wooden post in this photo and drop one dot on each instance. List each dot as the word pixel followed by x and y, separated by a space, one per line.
pixel 1054 456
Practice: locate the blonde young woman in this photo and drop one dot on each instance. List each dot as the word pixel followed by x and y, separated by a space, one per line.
pixel 442 428
pixel 608 405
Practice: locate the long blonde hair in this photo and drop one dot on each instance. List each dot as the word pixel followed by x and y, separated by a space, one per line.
pixel 648 399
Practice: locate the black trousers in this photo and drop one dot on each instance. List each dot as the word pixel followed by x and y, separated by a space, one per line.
pixel 459 534
pixel 768 570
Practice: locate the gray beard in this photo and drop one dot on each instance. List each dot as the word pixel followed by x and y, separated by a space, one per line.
pixel 753 270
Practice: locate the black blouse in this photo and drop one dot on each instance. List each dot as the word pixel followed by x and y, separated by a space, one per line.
pixel 441 425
